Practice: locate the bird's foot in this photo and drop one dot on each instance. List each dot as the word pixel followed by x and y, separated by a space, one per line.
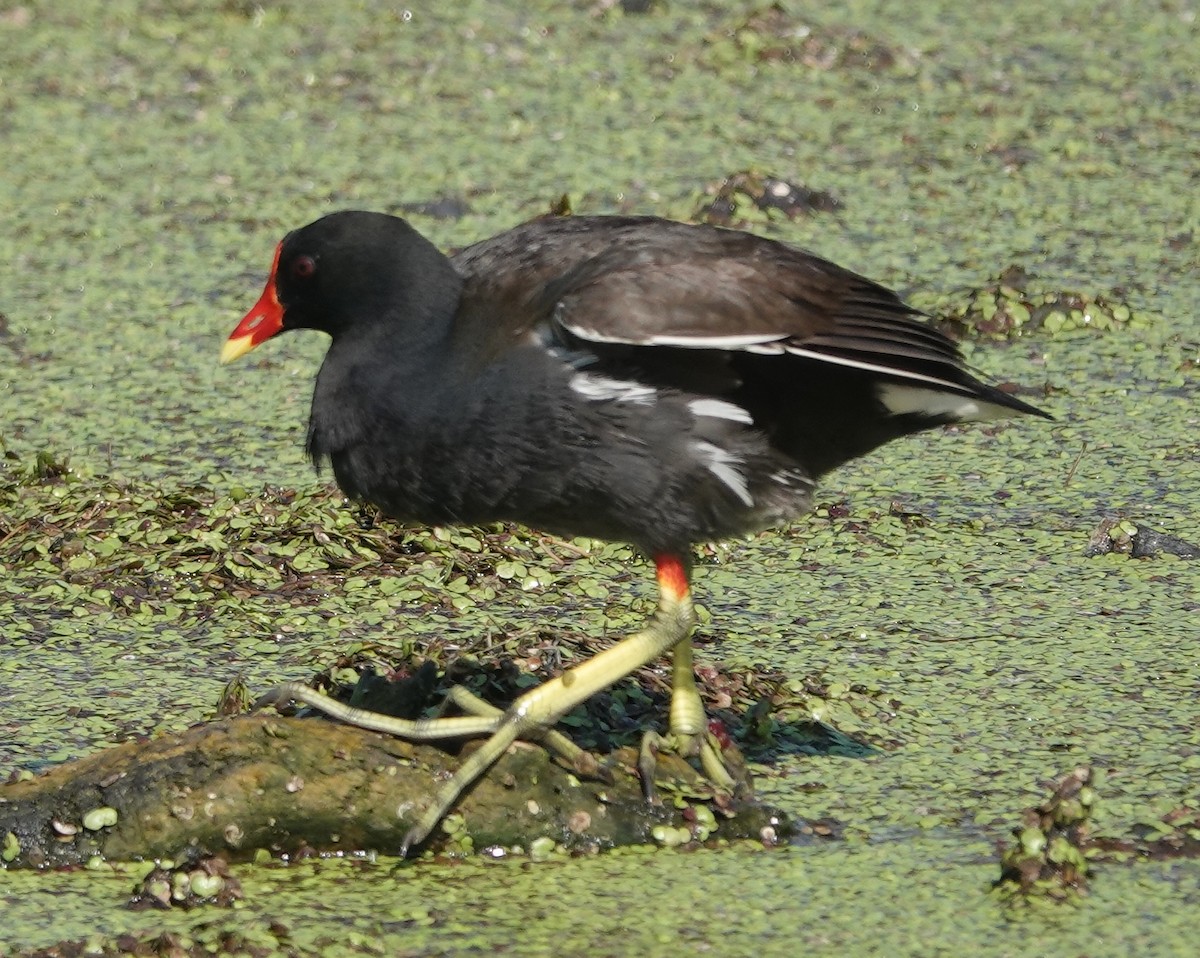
pixel 720 761
pixel 580 761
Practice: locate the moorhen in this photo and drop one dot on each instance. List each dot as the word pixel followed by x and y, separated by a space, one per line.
pixel 618 377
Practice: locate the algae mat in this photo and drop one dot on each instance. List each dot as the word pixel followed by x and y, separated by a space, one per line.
pixel 155 152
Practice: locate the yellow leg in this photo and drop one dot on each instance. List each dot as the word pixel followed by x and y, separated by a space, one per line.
pixel 419 730
pixel 689 724
pixel 482 720
pixel 687 719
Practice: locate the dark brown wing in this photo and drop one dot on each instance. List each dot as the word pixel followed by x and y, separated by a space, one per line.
pixel 719 289
pixel 607 283
pixel 642 281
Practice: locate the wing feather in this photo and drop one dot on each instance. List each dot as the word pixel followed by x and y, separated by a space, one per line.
pixel 606 283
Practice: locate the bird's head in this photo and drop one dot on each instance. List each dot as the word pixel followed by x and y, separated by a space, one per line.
pixel 344 271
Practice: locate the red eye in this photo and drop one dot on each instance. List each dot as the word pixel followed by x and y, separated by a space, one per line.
pixel 304 267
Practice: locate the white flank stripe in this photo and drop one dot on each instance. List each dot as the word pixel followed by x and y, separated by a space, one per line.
pixel 714 342
pixel 870 367
pixel 719 409
pixel 601 388
pixel 722 464
pixel 903 400
pixel 699 341
pixel 792 478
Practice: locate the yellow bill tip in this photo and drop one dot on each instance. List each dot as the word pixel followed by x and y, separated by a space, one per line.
pixel 235 347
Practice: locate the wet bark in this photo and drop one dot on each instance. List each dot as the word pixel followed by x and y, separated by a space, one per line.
pixel 293 786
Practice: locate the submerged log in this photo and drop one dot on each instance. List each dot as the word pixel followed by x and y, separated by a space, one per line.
pixel 295 786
